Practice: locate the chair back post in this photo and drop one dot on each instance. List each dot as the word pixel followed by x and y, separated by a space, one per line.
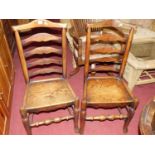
pixel 127 49
pixel 21 55
pixel 87 53
pixel 64 53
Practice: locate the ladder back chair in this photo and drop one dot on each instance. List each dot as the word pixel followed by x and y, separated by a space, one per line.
pixel 105 88
pixel 77 43
pixel 42 50
pixel 77 39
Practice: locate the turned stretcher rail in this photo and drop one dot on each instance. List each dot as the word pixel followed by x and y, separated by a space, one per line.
pixel 50 121
pixel 103 117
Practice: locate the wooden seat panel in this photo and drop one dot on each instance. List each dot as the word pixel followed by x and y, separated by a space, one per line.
pixel 49 93
pixel 107 91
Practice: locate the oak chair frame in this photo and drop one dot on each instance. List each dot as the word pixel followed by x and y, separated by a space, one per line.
pixel 74 104
pixel 130 105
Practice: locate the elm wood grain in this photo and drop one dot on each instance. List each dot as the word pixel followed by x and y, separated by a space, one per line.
pixel 50 94
pixel 107 91
pixel 43 50
pixel 147 119
pixel 53 93
pixel 40 37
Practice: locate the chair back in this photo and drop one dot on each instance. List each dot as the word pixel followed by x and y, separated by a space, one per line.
pixel 80 25
pixel 42 48
pixel 111 43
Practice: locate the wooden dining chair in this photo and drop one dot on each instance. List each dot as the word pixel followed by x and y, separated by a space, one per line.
pixel 77 39
pixel 105 88
pixel 78 34
pixel 42 50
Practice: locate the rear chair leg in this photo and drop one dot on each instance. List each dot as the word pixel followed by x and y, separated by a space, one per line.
pixel 131 112
pixel 76 116
pixel 82 117
pixel 25 119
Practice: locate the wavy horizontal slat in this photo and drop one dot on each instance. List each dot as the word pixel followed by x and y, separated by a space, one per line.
pixel 108 38
pixel 45 71
pixel 44 61
pixel 41 37
pixel 106 50
pixel 108 59
pixel 42 50
pixel 104 68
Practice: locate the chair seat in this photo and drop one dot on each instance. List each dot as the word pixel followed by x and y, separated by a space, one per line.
pixel 108 92
pixel 53 93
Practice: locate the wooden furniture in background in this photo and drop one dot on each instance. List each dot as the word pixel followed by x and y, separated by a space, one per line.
pixel 107 91
pixel 147 119
pixel 77 39
pixel 42 53
pixel 6 81
pixel 140 68
pixel 23 21
pixel 76 32
pixel 7 23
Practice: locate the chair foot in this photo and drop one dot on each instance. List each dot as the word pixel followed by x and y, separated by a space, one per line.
pixel 25 119
pixel 131 112
pixel 76 116
pixel 82 121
